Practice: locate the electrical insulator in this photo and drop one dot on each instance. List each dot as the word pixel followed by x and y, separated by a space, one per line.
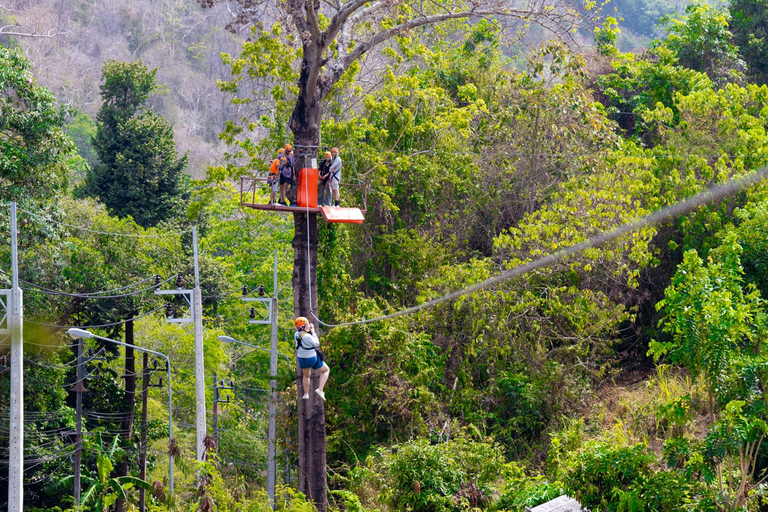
pixel 157 280
pixel 90 352
pixel 169 310
pixel 179 281
pixel 253 313
pixel 232 383
pixel 245 290
pixel 261 290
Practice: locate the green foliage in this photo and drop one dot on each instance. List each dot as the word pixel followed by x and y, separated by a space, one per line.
pixel 714 321
pixel 423 476
pixel 265 59
pixel 702 41
pixel 32 139
pixel 101 489
pixel 139 174
pixel 215 495
pixel 749 22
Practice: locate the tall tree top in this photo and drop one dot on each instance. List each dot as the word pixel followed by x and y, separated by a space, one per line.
pixel 333 35
pixel 127 85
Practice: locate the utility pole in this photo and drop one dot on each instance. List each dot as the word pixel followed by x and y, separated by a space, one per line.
pixel 195 301
pixel 217 387
pixel 16 435
pixel 272 391
pixel 271 304
pixel 197 317
pixel 143 453
pixel 78 389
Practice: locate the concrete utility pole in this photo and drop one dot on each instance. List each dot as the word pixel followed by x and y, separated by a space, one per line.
pixel 78 389
pixel 15 323
pixel 197 317
pixel 195 300
pixel 271 431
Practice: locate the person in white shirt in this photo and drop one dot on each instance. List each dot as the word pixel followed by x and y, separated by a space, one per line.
pixel 309 356
pixel 335 171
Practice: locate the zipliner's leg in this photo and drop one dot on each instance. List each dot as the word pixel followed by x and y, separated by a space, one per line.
pixel 307 372
pixel 325 372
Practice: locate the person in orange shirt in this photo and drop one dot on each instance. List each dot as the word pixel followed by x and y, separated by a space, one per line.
pixel 272 179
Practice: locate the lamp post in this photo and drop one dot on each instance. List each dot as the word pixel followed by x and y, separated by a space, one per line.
pixel 82 333
pixel 271 474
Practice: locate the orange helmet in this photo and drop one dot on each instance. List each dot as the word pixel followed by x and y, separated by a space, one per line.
pixel 280 151
pixel 301 322
pixel 335 149
pixel 288 147
pixel 327 153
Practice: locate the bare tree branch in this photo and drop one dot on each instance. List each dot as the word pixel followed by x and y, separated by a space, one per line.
pixel 5 32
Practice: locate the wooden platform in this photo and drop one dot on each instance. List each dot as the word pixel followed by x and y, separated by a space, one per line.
pixel 248 195
pixel 281 208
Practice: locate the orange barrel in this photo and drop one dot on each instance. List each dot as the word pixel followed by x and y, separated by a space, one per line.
pixel 307 194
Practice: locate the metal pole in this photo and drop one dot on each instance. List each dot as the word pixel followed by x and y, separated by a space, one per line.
pixel 79 417
pixel 170 396
pixel 216 409
pixel 170 426
pixel 143 454
pixel 272 393
pixel 16 435
pixel 197 317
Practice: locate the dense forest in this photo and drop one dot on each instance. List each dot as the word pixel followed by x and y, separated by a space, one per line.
pixel 629 376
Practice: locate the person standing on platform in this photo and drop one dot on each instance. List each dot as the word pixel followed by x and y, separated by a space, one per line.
pixel 286 175
pixel 324 173
pixel 309 356
pixel 274 173
pixel 335 174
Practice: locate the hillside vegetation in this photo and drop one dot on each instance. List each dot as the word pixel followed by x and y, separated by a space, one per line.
pixel 630 376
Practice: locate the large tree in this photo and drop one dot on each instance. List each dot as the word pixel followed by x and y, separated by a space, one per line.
pixel 749 25
pixel 323 43
pixel 32 139
pixel 139 173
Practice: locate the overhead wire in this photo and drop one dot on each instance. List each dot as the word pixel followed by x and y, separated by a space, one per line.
pixel 102 292
pixel 113 324
pixel 110 233
pixel 711 194
pixel 92 295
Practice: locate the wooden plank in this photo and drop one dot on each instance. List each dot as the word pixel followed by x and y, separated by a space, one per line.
pixel 280 208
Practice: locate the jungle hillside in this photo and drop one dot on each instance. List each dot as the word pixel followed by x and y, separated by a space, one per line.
pixel 476 138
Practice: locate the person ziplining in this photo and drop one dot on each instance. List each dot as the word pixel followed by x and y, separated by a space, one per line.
pixel 309 356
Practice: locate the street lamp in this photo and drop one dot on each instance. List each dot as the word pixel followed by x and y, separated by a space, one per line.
pixel 230 339
pixel 82 333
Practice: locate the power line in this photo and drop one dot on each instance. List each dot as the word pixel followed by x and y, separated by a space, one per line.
pixel 97 232
pixel 56 326
pixel 86 293
pixel 713 193
pixel 92 295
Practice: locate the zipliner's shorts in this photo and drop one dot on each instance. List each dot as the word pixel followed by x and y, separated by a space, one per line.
pixel 310 362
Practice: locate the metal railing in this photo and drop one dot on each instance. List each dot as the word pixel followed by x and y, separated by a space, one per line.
pixel 250 184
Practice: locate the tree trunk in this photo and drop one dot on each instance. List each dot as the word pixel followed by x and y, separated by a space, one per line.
pixel 312 442
pixel 129 403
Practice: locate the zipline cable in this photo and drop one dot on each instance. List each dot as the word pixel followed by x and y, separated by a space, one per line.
pixel 713 193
